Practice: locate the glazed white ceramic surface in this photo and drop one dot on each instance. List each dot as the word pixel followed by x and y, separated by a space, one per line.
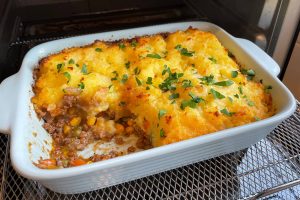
pixel 30 142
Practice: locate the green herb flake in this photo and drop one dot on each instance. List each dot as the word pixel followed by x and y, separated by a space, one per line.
pixel 116 76
pixel 162 133
pixel 124 78
pixel 184 51
pixel 169 82
pixel 268 88
pixel 174 96
pixel 224 83
pixel 188 103
pixel 98 50
pixel 60 66
pixel 122 103
pixel 71 61
pixel 226 112
pixel 155 55
pixel 195 98
pixel 122 46
pixel 110 86
pixel 173 102
pixel 161 113
pixel 257 118
pixel 138 81
pixel 166 69
pixel 207 80
pixel 149 81
pixel 212 59
pixel 84 69
pixel 216 94
pixel 236 96
pixel 250 72
pixel 240 89
pixel 127 65
pixel 68 76
pixel 187 83
pixel 134 43
pixel 81 85
pixel 137 71
pixel 234 74
pixel 147 88
pixel 250 103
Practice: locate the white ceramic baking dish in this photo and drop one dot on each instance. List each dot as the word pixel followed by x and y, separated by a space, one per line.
pixel 29 141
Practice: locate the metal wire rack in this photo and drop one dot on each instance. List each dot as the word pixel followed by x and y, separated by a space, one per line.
pixel 269 169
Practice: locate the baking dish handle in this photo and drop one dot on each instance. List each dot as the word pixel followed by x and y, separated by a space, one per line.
pixel 7 100
pixel 260 55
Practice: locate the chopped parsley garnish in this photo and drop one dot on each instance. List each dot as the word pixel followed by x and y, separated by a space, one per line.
pixel 226 112
pixel 184 51
pixel 77 65
pixel 122 46
pixel 187 83
pixel 137 71
pixel 169 82
pixel 71 61
pixel 154 55
pixel 162 133
pixel 122 103
pixel 124 78
pixel 110 86
pixel 166 69
pixel 268 88
pixel 236 96
pixel 234 74
pixel 257 118
pixel 250 73
pixel 161 113
pixel 174 96
pixel 207 80
pixel 240 89
pixel 60 66
pixel 133 43
pixel 81 85
pixel 68 76
pixel 250 103
pixel 173 102
pixel 147 88
pixel 196 99
pixel 98 49
pixel 138 81
pixel 216 94
pixel 224 83
pixel 188 103
pixel 84 69
pixel 230 99
pixel 212 59
pixel 127 65
pixel 116 76
pixel 149 81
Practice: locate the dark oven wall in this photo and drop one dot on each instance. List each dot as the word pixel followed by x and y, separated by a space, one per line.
pixel 26 23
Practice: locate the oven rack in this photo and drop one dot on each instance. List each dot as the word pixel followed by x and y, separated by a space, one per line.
pixel 270 169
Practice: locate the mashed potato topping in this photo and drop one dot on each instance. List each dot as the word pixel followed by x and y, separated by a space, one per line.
pixel 163 88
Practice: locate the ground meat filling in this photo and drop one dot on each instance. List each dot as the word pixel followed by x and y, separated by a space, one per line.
pixel 73 130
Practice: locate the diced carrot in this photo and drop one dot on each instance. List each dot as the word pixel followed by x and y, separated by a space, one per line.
pixel 47 164
pixel 78 162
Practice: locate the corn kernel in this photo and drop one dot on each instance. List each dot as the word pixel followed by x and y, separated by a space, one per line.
pixel 129 129
pixel 119 128
pixel 67 129
pixel 75 121
pixel 91 120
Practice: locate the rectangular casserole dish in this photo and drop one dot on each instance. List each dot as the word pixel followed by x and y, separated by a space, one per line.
pixel 30 142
